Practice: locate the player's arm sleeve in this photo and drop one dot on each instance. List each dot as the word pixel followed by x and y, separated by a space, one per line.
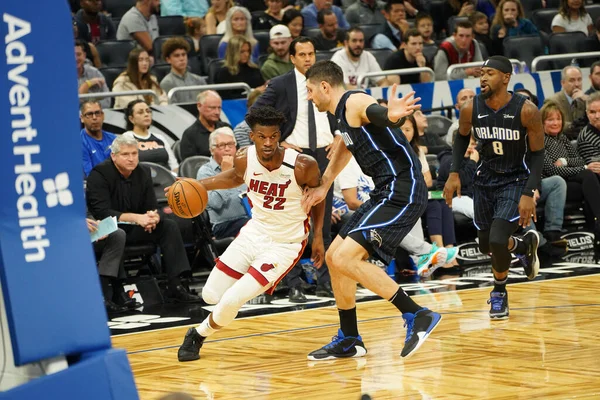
pixel 461 144
pixel 378 115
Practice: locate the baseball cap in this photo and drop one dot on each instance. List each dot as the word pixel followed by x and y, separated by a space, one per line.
pixel 279 32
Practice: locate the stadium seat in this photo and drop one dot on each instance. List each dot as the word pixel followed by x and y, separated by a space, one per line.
pixel 158 42
pixel 110 74
pixel 117 8
pixel 263 41
pixel 176 147
pixel 543 19
pixel 370 30
pixel 114 53
pixel 380 55
pixel 160 70
pixel 594 11
pixel 324 55
pixel 531 5
pixel 190 166
pixel 524 48
pixel 161 178
pixel 209 49
pixel 429 51
pixel 562 43
pixel 213 69
pixel 589 44
pixel 438 124
pixel 311 32
pixel 172 25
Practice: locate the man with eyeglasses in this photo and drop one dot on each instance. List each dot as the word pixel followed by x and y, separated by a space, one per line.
pixel 95 141
pixel 225 210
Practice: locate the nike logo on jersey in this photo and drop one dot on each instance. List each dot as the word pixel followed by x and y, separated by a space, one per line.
pixel 93 151
pixel 508 116
pixel 482 116
pixel 257 174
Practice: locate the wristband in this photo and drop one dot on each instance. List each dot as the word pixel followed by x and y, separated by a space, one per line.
pixel 89 83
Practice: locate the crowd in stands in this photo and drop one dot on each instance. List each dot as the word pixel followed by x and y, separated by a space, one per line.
pixel 159 45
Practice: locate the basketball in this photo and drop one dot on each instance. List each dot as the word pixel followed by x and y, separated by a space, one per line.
pixel 187 198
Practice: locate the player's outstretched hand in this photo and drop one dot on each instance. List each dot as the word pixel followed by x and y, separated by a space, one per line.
pixel 318 251
pixel 452 186
pixel 527 211
pixel 313 196
pixel 402 107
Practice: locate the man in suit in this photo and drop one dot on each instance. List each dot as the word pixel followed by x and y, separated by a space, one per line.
pixel 308 131
pixel 571 100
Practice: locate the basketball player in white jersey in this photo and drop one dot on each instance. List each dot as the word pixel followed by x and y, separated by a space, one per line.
pixel 271 243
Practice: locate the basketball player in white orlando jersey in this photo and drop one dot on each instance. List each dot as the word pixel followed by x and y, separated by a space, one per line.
pixel 271 243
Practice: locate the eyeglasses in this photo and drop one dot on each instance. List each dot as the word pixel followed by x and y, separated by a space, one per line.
pixel 91 114
pixel 221 146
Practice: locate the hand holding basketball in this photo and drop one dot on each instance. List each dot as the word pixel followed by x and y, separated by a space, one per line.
pixel 187 198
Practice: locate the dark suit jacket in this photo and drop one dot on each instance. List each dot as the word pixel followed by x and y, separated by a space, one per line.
pixel 282 95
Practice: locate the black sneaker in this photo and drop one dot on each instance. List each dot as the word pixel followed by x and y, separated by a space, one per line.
pixel 418 327
pixel 340 347
pixel 190 349
pixel 499 305
pixel 529 260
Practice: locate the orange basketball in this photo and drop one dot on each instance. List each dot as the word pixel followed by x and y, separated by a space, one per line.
pixel 187 198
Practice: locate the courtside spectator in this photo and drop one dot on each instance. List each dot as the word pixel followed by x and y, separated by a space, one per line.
pixel 238 68
pixel 194 141
pixel 215 18
pixel 462 97
pixel 424 24
pixel 410 55
pixel 330 36
pixel 119 187
pixel 140 24
pixel 242 130
pixel 270 17
pixel 354 61
pixel 390 33
pixel 365 12
pixel 572 17
pixel 89 79
pixel 294 20
pixel 225 209
pixel 459 49
pixel 594 78
pixel 175 51
pixel 94 141
pixel 570 100
pixel 588 142
pixel 92 24
pixel 137 76
pixel 195 28
pixel 510 21
pixel 91 53
pixel 481 32
pixel 310 12
pixel 238 22
pixel 278 62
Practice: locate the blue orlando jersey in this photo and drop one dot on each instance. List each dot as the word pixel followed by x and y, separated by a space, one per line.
pixel 384 154
pixel 502 139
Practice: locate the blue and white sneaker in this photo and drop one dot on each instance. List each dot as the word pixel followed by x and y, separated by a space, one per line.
pixel 340 347
pixel 418 328
pixel 499 305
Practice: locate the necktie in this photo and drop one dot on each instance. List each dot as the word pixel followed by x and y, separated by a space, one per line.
pixel 312 127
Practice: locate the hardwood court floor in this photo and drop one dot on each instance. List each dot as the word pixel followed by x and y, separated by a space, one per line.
pixel 548 349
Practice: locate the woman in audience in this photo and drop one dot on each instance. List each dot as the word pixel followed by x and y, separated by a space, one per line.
pixel 270 17
pixel 510 21
pixel 431 143
pixel 152 146
pixel 238 23
pixel 137 77
pixel 195 28
pixel 562 159
pixel 294 20
pixel 572 17
pixel 239 68
pixel 439 218
pixel 215 18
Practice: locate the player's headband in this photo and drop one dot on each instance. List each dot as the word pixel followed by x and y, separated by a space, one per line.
pixel 500 63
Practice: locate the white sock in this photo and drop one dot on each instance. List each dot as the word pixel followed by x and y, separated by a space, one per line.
pixel 204 329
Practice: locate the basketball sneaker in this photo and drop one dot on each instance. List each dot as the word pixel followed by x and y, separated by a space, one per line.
pixel 425 262
pixel 443 257
pixel 530 260
pixel 340 347
pixel 499 305
pixel 418 328
pixel 190 349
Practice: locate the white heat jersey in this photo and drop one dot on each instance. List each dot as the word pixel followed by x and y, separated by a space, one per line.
pixel 275 197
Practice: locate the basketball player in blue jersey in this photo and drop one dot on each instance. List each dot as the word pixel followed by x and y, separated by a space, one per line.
pixel 509 129
pixel 271 243
pixel 371 133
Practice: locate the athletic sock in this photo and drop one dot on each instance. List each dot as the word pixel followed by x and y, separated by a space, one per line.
pixel 500 285
pixel 348 322
pixel 204 329
pixel 519 246
pixel 404 303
